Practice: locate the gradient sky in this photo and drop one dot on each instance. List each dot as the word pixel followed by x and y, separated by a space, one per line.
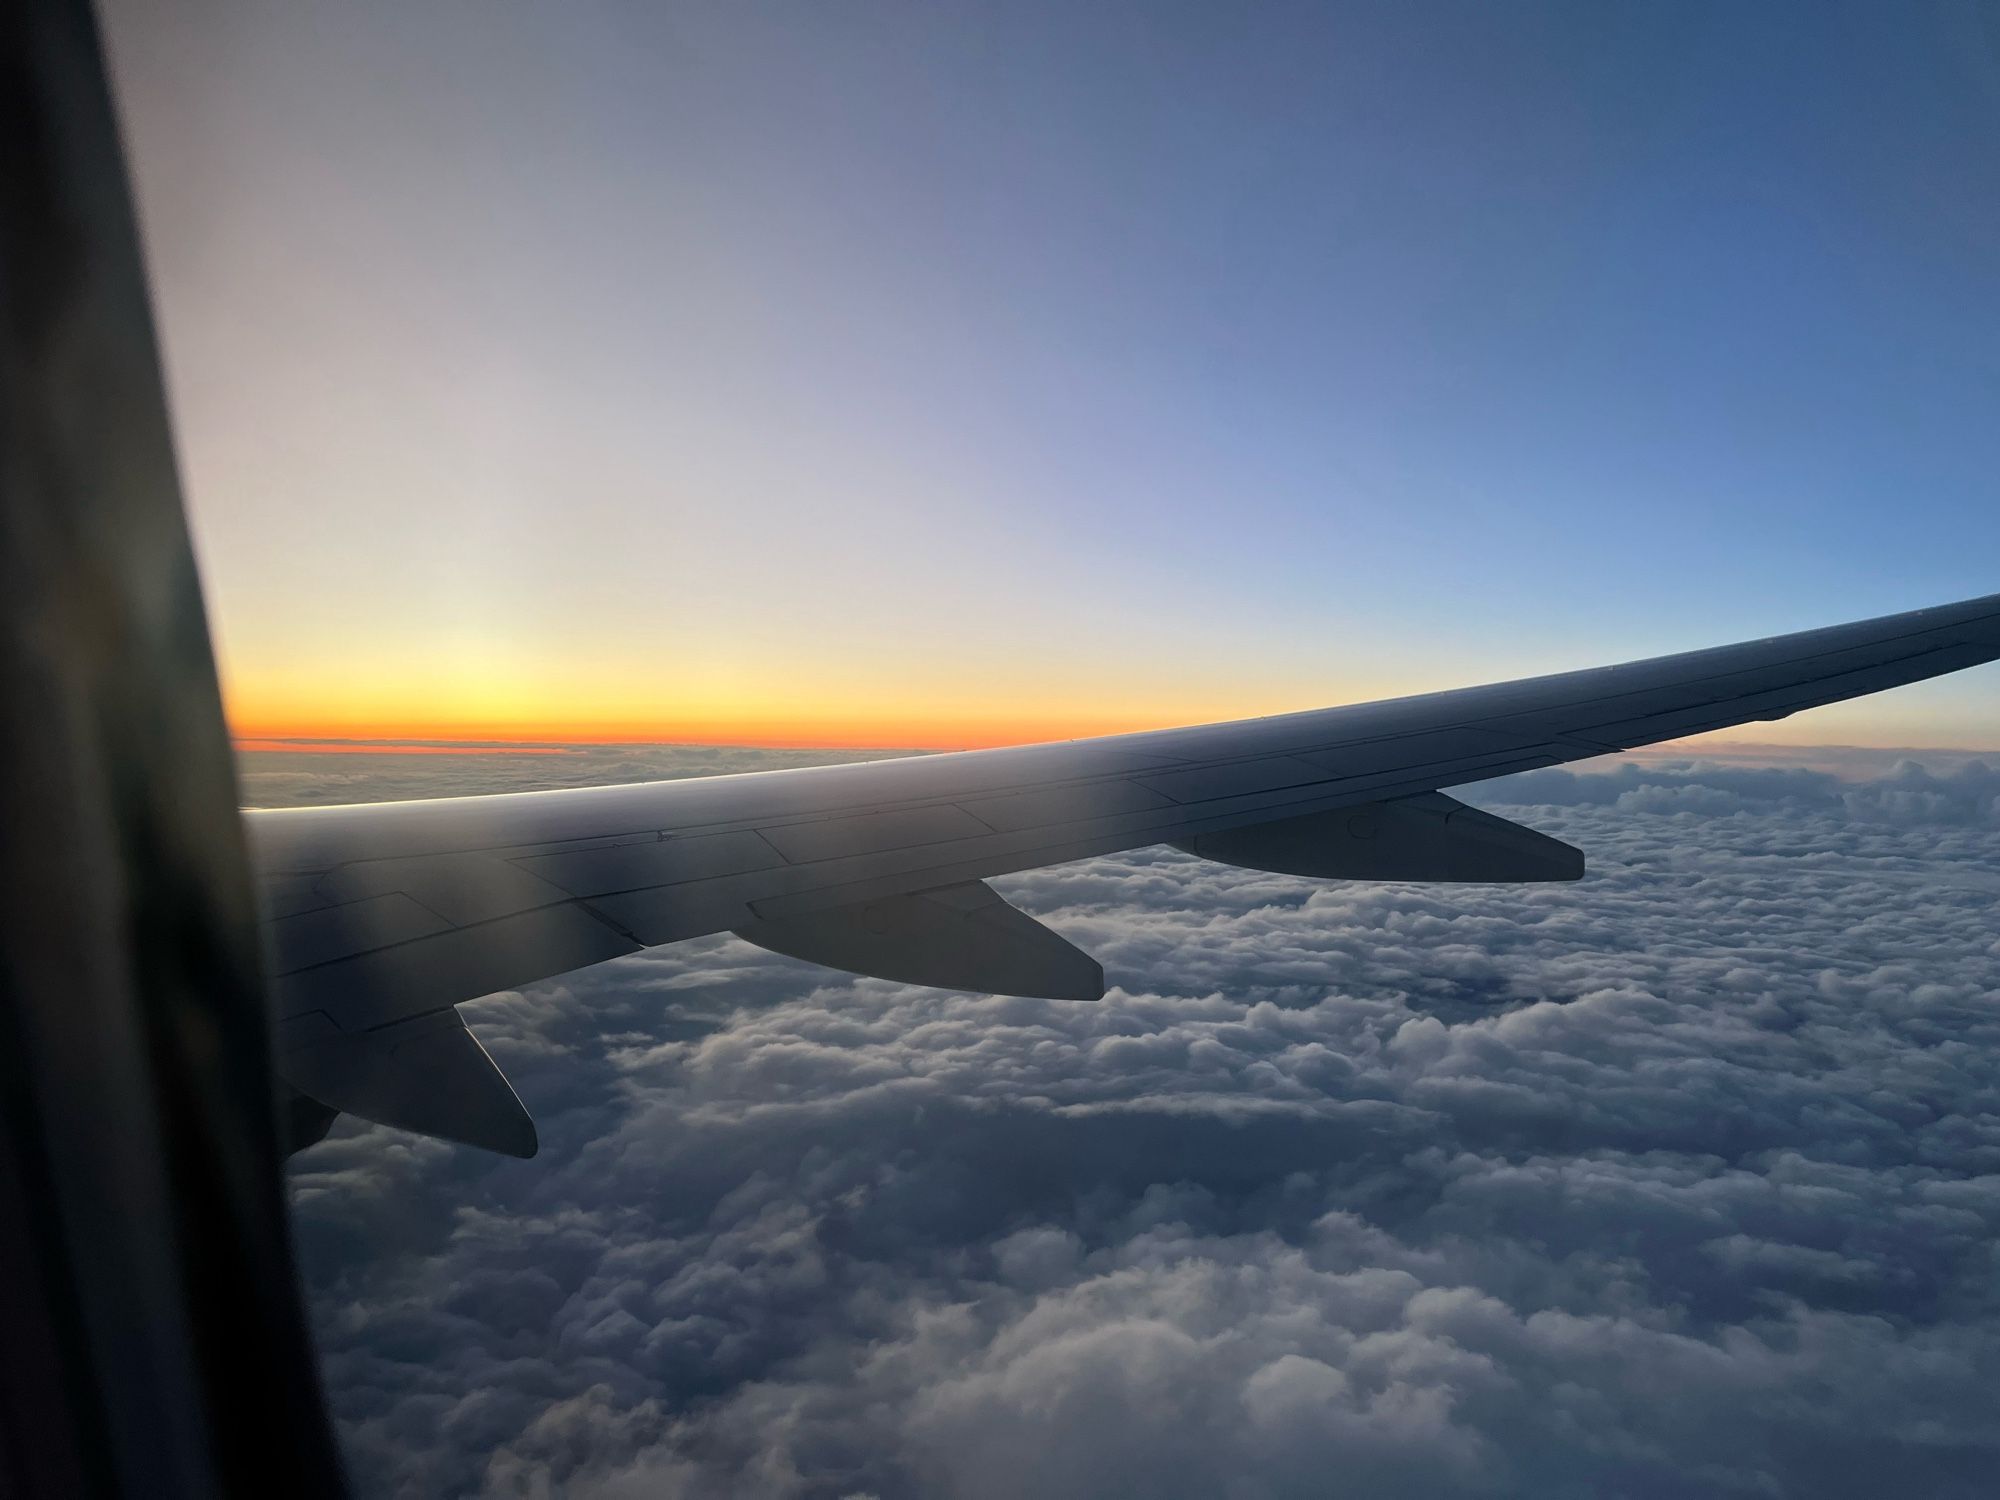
pixel 942 374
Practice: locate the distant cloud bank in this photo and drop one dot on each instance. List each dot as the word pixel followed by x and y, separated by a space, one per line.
pixel 1682 1180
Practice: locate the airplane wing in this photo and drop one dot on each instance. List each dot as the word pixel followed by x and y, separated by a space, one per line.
pixel 380 918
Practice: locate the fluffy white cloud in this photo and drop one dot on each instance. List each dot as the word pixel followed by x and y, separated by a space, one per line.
pixel 1685 1179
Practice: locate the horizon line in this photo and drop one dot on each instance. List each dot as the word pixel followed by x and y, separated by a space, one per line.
pixel 580 744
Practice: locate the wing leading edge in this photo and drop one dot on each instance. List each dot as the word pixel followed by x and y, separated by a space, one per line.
pixel 381 916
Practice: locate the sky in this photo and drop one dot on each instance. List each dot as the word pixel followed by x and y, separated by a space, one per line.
pixel 1680 1180
pixel 876 374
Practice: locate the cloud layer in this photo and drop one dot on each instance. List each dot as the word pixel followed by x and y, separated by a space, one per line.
pixel 1685 1179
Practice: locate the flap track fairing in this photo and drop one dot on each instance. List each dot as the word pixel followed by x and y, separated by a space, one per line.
pixel 428 1074
pixel 957 937
pixel 1429 837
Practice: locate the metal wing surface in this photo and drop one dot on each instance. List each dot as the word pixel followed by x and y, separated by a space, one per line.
pixel 380 918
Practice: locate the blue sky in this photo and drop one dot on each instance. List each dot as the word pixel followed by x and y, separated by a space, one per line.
pixel 748 365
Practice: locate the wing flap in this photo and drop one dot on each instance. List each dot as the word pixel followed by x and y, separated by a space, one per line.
pixel 390 983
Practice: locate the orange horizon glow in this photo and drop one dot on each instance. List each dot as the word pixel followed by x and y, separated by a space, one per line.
pixel 323 745
pixel 539 695
pixel 427 705
pixel 541 740
pixel 529 737
pixel 530 697
pixel 472 723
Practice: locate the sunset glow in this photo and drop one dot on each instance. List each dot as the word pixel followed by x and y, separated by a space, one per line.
pixel 814 383
pixel 862 715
